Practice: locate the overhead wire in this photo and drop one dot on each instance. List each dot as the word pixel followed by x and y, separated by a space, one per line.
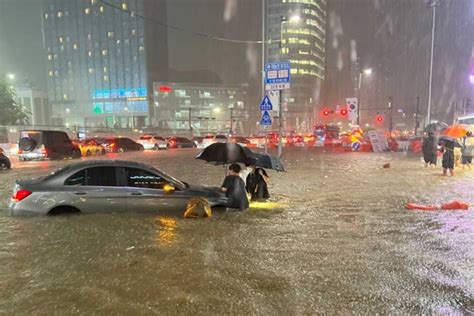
pixel 181 29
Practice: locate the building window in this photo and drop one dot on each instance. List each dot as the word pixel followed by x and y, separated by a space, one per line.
pixel 89 53
pixel 87 10
pixel 50 57
pixel 101 9
pixel 46 16
pixel 118 42
pixel 51 73
pixel 105 69
pixel 141 48
pixel 104 52
pixel 106 78
pixel 75 46
pixel 110 34
pixel 61 39
pixel 134 32
pixel 65 96
pixel 62 47
pixel 60 14
pixel 93 2
pixel 124 6
pixel 89 36
pixel 91 70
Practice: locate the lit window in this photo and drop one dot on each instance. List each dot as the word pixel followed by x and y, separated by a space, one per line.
pixel 101 9
pixel 106 78
pixel 141 48
pixel 124 6
pixel 110 34
pixel 87 10
pixel 105 69
pixel 62 47
pixel 46 16
pixel 50 57
pixel 132 14
pixel 91 70
pixel 294 70
pixel 65 96
pixel 118 42
pixel 126 41
pixel 51 73
pixel 60 14
pixel 56 73
pixel 134 32
pixel 89 36
pixel 55 56
pixel 89 53
pixel 75 46
pixel 61 39
pixel 93 2
pixel 104 52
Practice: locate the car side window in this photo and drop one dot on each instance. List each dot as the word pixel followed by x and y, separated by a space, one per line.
pixel 139 178
pixel 96 176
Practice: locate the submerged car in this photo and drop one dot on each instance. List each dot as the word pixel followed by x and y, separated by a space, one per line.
pixel 121 144
pixel 153 142
pixel 108 186
pixel 43 144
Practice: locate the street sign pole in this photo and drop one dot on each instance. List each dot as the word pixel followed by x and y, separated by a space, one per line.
pixel 280 120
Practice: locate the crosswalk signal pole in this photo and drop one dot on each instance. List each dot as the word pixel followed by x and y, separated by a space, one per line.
pixel 280 121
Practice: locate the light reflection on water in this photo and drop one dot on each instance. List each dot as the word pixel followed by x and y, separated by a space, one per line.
pixel 165 231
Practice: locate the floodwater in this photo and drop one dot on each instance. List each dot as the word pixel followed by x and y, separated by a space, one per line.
pixel 334 238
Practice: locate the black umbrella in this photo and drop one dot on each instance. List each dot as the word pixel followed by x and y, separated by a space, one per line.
pixel 268 162
pixel 226 153
pixel 433 127
pixel 450 139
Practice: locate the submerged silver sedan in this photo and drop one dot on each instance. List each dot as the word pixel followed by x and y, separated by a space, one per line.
pixel 110 186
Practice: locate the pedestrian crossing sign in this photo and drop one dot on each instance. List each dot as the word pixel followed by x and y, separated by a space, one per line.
pixel 266 120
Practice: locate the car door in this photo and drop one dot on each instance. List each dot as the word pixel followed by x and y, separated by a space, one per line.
pixel 145 192
pixel 96 189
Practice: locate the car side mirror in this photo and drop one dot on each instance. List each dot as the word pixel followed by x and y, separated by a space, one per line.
pixel 169 188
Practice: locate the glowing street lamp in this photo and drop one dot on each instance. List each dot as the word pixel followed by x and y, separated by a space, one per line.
pixel 367 71
pixel 11 76
pixel 471 79
pixel 217 110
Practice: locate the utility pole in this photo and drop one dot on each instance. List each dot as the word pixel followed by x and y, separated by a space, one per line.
pixel 390 106
pixel 433 5
pixel 416 113
pixel 231 120
pixel 189 121
pixel 280 123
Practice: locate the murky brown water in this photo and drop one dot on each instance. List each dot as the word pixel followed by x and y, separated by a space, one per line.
pixel 335 238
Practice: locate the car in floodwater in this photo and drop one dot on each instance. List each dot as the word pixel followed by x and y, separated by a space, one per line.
pixel 108 186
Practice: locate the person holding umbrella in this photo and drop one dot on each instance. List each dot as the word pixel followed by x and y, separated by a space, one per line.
pixel 429 149
pixel 257 184
pixel 234 189
pixel 447 148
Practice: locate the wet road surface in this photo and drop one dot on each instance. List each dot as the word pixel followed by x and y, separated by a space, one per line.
pixel 334 238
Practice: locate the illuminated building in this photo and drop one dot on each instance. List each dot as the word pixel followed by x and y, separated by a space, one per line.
pixel 102 60
pixel 200 108
pixel 301 25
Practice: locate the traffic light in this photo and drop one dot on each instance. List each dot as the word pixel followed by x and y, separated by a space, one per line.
pixel 343 112
pixel 326 112
pixel 379 118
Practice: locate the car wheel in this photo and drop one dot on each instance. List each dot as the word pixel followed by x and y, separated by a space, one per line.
pixel 61 210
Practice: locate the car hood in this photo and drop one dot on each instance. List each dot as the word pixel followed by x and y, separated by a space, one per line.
pixel 206 190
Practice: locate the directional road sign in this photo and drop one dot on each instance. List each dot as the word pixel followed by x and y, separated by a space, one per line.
pixel 266 104
pixel 266 120
pixel 277 75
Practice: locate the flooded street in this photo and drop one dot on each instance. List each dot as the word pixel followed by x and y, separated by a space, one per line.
pixel 335 237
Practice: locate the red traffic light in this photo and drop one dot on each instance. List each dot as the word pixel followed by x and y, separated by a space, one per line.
pixel 343 112
pixel 326 112
pixel 165 89
pixel 379 118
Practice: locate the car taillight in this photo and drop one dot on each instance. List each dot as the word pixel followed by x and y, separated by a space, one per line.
pixel 20 151
pixel 112 145
pixel 20 195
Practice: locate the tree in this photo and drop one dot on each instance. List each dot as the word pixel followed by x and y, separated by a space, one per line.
pixel 11 112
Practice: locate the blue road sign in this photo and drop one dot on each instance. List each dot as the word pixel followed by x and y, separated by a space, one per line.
pixel 266 120
pixel 355 146
pixel 277 75
pixel 266 104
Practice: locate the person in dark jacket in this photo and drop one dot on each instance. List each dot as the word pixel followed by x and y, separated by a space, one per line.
pixel 429 149
pixel 234 188
pixel 447 147
pixel 257 184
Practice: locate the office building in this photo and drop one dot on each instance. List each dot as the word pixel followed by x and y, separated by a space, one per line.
pixel 102 60
pixel 200 108
pixel 301 26
pixel 36 103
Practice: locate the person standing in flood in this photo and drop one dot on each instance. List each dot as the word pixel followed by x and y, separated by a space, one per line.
pixel 257 184
pixel 467 150
pixel 429 149
pixel 447 148
pixel 234 189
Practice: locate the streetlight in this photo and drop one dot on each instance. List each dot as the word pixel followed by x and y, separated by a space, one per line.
pixel 471 79
pixel 217 110
pixel 11 76
pixel 367 72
